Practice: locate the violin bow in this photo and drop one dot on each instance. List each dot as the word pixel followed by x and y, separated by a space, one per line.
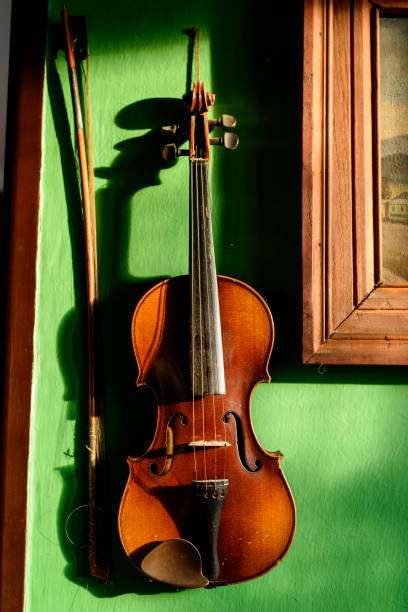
pixel 99 529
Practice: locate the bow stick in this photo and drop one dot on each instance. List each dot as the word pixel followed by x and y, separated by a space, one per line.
pixel 98 509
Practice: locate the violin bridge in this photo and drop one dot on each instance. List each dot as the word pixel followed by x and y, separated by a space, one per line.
pixel 209 443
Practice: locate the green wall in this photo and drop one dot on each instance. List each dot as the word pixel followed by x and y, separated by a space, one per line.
pixel 343 430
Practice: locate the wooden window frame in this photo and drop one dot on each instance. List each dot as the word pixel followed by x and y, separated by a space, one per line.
pixel 350 316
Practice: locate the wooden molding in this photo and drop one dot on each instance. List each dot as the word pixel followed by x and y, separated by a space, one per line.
pixel 349 314
pixel 18 249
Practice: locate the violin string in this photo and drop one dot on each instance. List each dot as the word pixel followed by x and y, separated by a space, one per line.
pixel 192 311
pixel 199 280
pixel 206 229
pixel 225 436
pixel 200 316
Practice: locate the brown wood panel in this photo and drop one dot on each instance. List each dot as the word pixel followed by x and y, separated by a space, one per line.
pixel 358 351
pixel 362 151
pixel 387 298
pixel 391 4
pixel 340 299
pixel 314 73
pixel 374 324
pixel 19 245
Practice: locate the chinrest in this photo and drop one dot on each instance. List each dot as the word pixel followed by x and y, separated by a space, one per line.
pixel 176 562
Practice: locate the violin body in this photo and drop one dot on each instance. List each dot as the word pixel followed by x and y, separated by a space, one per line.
pixel 257 522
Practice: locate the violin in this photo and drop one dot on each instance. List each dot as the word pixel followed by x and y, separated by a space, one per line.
pixel 205 505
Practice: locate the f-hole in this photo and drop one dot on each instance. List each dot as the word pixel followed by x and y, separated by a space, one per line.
pixel 169 446
pixel 241 443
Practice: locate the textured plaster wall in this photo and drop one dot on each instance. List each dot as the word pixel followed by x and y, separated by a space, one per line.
pixel 343 431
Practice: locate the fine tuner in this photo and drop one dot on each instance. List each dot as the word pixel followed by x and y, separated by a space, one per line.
pixel 230 140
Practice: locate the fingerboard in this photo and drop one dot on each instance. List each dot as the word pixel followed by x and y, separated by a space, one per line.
pixel 206 356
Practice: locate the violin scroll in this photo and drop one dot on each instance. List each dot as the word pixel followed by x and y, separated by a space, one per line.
pixel 197 128
pixel 170 151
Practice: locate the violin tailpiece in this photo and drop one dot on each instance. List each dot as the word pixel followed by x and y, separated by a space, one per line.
pixel 209 501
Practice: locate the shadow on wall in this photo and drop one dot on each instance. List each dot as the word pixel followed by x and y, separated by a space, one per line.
pixel 260 245
pixel 262 222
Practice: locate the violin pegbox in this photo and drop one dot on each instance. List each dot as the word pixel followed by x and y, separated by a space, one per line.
pixel 201 101
pixel 230 140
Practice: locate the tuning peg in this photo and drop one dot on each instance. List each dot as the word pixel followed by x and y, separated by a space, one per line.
pixel 170 152
pixel 227 122
pixel 229 140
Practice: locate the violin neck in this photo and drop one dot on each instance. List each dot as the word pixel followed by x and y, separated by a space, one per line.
pixel 207 364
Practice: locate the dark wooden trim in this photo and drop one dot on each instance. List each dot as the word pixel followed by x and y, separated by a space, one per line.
pixel 349 315
pixel 375 60
pixel 18 261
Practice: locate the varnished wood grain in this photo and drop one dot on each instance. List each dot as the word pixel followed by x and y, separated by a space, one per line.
pixel 258 519
pixel 362 139
pixel 339 244
pixel 358 350
pixel 313 176
pixel 365 323
pixel 386 298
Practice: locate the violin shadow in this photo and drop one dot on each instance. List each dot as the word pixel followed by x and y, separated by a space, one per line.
pixel 129 412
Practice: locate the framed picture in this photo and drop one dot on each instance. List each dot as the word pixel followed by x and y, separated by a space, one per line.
pixel 355 286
